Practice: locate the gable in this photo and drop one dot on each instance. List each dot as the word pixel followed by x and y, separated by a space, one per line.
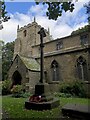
pixel 30 63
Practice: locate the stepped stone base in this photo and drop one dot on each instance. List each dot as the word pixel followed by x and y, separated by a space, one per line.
pixel 42 105
pixel 47 101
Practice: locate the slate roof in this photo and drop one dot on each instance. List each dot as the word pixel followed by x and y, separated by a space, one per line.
pixel 30 63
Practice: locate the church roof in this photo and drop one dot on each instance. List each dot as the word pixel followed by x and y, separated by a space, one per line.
pixel 31 63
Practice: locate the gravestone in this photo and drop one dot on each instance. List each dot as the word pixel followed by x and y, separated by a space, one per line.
pixel 76 111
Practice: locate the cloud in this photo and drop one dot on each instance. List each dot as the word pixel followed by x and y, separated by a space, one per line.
pixel 19 0
pixel 38 9
pixel 9 32
pixel 60 28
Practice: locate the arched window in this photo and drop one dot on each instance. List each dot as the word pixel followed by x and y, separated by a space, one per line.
pixel 82 68
pixel 55 70
pixel 25 33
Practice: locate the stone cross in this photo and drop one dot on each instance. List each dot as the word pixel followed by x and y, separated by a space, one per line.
pixel 42 35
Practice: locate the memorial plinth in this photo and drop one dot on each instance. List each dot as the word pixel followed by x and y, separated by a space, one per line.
pixel 42 105
pixel 47 101
pixel 42 89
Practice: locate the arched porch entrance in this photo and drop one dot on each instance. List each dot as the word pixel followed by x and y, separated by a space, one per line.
pixel 16 78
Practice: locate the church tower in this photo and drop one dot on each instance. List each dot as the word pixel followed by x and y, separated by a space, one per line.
pixel 28 38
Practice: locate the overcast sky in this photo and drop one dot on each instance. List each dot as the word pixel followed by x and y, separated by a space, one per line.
pixel 22 13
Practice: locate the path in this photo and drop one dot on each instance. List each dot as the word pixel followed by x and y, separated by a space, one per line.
pixel 4 114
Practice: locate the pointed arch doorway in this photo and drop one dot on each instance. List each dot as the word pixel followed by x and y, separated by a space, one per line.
pixel 16 78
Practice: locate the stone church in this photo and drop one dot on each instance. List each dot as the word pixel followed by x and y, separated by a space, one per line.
pixel 65 59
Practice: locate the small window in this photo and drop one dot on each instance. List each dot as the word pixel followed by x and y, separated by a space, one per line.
pixel 25 33
pixel 84 39
pixel 16 60
pixel 59 45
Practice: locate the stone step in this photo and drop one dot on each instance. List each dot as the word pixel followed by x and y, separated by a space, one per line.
pixel 76 110
pixel 42 105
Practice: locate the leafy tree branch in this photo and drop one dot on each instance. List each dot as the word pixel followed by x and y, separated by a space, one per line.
pixel 3 14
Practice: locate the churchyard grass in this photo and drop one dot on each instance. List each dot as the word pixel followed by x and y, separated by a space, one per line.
pixel 15 107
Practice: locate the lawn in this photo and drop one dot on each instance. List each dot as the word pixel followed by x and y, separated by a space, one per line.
pixel 15 107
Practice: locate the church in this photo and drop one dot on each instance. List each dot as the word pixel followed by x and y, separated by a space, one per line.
pixel 65 59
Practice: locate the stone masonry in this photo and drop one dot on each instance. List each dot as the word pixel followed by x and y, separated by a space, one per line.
pixel 65 59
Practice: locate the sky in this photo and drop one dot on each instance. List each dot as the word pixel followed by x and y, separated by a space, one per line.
pixel 23 13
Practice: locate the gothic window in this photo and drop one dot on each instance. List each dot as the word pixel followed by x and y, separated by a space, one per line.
pixel 84 38
pixel 55 70
pixel 82 68
pixel 25 33
pixel 59 45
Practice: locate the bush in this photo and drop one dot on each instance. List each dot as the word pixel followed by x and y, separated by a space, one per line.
pixel 17 90
pixel 59 94
pixel 25 95
pixel 75 88
pixel 6 87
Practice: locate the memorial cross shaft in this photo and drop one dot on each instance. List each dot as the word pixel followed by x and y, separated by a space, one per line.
pixel 42 35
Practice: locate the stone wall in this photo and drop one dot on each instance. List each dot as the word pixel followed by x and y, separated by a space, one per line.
pixel 29 46
pixel 68 44
pixel 34 78
pixel 67 65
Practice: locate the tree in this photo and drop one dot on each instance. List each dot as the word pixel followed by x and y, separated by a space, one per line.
pixel 3 14
pixel 88 11
pixel 81 30
pixel 56 8
pixel 7 57
pixel 1 44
